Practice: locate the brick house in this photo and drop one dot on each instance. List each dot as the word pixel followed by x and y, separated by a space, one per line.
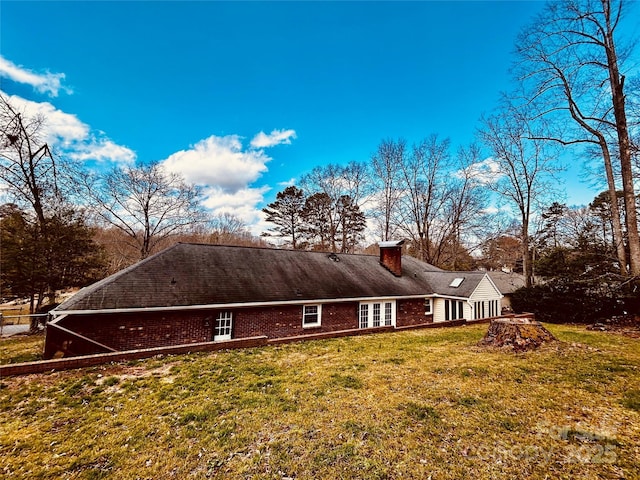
pixel 192 293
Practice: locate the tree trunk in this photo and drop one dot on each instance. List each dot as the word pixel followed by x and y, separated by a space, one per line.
pixel 616 224
pixel 617 92
pixel 519 334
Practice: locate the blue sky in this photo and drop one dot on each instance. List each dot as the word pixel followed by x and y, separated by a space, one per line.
pixel 245 97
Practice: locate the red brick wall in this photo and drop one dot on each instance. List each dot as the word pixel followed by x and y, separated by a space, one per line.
pixel 133 331
pixel 411 312
pixel 286 321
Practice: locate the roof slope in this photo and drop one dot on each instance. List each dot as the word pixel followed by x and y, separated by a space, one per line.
pixel 197 274
pixel 441 282
pixel 507 282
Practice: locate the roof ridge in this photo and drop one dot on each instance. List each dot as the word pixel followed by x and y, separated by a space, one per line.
pixel 256 247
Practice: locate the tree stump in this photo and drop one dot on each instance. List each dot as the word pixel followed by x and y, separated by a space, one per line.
pixel 519 334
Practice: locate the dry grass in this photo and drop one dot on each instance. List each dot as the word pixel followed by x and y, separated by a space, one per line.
pixel 21 348
pixel 15 315
pixel 418 404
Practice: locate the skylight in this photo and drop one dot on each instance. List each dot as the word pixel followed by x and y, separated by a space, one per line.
pixel 456 282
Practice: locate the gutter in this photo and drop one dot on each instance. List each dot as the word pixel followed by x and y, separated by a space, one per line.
pixel 57 313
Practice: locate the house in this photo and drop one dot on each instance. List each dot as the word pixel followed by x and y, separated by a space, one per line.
pixel 507 283
pixel 192 293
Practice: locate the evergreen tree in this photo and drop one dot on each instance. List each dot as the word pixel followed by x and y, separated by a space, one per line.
pixel 287 215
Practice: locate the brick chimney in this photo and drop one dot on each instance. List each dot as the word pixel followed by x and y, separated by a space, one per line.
pixel 391 256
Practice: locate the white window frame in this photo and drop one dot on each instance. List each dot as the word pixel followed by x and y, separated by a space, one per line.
pixel 453 309
pixel 428 306
pixel 376 309
pixel 377 313
pixel 486 309
pixel 363 315
pixel 223 326
pixel 317 314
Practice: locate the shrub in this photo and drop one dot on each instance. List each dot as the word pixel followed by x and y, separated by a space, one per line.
pixel 570 301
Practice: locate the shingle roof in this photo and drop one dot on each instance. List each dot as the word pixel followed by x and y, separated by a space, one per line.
pixel 197 274
pixel 507 282
pixel 441 282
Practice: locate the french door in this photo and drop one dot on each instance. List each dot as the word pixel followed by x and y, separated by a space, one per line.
pixel 222 329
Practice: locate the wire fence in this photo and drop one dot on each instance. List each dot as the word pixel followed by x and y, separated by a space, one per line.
pixel 12 320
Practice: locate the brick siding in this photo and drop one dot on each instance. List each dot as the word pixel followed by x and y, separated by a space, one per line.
pixel 411 313
pixel 132 331
pixel 286 321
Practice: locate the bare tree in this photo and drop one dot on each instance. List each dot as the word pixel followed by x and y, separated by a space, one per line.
pixel 424 174
pixel 466 205
pixel 227 229
pixel 524 166
pixel 571 65
pixel 324 187
pixel 146 203
pixel 30 177
pixel 386 167
pixel 28 170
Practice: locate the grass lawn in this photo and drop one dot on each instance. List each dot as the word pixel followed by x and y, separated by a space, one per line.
pixel 21 348
pixel 417 404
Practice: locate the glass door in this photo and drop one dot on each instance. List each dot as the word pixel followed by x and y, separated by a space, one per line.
pixel 222 330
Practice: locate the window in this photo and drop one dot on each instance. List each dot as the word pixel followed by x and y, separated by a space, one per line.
pixel 427 306
pixel 453 309
pixel 311 315
pixel 364 315
pixel 388 313
pixel 222 329
pixel 456 282
pixel 376 314
pixel 486 309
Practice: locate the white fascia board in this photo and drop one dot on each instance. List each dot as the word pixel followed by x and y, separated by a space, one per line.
pixel 219 306
pixel 451 297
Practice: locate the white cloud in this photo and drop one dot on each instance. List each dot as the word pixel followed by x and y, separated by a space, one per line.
pixel 243 203
pixel 49 83
pixel 59 127
pixel 276 137
pixel 484 172
pixel 227 171
pixel 66 133
pixel 219 162
pixel 288 183
pixel 103 150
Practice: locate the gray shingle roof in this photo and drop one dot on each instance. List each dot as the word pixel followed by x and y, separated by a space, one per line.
pixel 196 274
pixel 507 282
pixel 441 282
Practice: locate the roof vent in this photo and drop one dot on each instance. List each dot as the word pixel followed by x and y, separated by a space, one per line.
pixel 456 282
pixel 334 257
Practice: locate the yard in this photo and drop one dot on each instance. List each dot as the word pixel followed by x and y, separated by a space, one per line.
pixel 416 404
